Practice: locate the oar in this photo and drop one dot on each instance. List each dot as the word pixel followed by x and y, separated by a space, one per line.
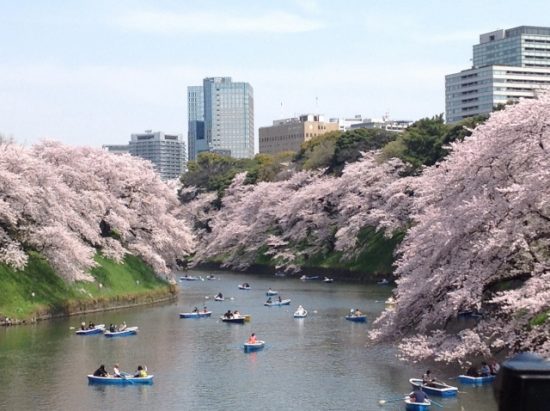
pixel 436 403
pixel 125 375
pixel 382 402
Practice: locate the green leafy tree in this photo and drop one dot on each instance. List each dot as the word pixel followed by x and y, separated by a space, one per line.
pixel 349 145
pixel 317 152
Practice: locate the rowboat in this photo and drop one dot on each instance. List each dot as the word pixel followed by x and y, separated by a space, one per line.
pixel 189 278
pixel 236 320
pixel 278 303
pixel 218 298
pixel 98 329
pixel 244 287
pixel 383 281
pixel 124 333
pixel 258 345
pixel 301 312
pixel 271 292
pixel 357 318
pixel 328 280
pixel 308 277
pixel 211 277
pixel 92 379
pixel 410 405
pixel 466 379
pixel 200 314
pixel 435 388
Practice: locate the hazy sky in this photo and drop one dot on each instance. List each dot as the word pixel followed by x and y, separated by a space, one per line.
pixel 93 72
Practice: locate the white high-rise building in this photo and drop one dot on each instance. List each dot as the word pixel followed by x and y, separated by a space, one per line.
pixel 507 65
pixel 166 152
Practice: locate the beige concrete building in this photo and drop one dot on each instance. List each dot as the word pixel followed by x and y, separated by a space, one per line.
pixel 290 133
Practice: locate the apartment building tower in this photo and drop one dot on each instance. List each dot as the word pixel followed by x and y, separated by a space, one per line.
pixel 166 152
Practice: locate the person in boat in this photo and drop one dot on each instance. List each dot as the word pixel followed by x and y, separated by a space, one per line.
pixel 418 395
pixel 495 367
pixel 220 295
pixel 141 372
pixel 428 379
pixel 122 326
pixel 357 312
pixel 485 371
pixel 300 309
pixel 195 310
pixel 236 314
pixel 101 372
pixel 91 325
pixel 112 328
pixel 204 309
pixel 228 314
pixel 252 339
pixel 472 372
pixel 280 299
pixel 269 300
pixel 116 371
pixel 83 326
pixel 246 285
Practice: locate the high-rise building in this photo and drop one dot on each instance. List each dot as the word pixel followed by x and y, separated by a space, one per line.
pixel 223 121
pixel 195 124
pixel 507 65
pixel 289 134
pixel 166 152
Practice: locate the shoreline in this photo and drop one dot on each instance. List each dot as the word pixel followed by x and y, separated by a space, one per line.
pixel 73 308
pixel 335 273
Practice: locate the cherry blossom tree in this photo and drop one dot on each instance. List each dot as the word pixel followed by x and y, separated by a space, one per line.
pixel 305 215
pixel 68 203
pixel 479 243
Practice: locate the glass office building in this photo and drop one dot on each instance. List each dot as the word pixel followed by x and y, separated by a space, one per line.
pixel 195 124
pixel 228 113
pixel 165 151
pixel 507 65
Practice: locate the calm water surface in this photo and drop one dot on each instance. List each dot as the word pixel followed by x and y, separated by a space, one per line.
pixel 322 362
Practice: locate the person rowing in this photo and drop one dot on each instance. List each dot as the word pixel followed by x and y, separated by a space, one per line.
pixel 418 395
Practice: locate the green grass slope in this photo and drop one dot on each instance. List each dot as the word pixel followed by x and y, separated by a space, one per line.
pixel 37 288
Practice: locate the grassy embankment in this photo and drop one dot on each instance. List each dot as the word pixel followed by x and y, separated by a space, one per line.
pixel 37 289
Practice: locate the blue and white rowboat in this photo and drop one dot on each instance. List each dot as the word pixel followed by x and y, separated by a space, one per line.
pixel 92 379
pixel 98 329
pixel 443 390
pixel 466 379
pixel 200 314
pixel 189 278
pixel 125 333
pixel 410 405
pixel 258 345
pixel 278 303
pixel 357 318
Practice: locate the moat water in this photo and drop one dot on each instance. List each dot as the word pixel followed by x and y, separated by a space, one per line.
pixel 322 362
